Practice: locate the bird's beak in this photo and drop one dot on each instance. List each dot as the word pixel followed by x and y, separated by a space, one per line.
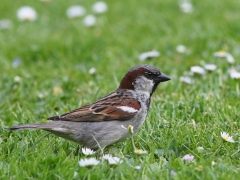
pixel 162 77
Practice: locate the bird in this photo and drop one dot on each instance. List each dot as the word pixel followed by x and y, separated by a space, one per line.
pixel 105 121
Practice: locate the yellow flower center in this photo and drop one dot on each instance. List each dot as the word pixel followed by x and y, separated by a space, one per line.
pixel 222 52
pixel 138 151
pixel 227 137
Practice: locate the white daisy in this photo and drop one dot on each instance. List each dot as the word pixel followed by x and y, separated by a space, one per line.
pixel 210 67
pixel 224 54
pixel 213 163
pixel 26 13
pixel 188 157
pixel 99 7
pixel 137 167
pixel 87 151
pixel 234 74
pixel 148 55
pixel 107 156
pixel 226 137
pixel 181 48
pixel 230 59
pixel 92 71
pixel 76 11
pixel 114 160
pixel 88 162
pixel 140 151
pixel 186 79
pixel 17 79
pixel 89 20
pixel 197 70
pixel 220 54
pixel 186 6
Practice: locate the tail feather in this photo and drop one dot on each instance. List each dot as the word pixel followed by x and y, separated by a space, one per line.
pixel 28 126
pixel 65 130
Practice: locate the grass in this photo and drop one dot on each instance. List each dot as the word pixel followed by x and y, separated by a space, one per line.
pixel 58 52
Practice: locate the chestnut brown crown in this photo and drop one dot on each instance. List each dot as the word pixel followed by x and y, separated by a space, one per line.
pixel 150 72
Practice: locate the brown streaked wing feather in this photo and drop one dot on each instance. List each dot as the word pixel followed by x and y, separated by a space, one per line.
pixel 105 109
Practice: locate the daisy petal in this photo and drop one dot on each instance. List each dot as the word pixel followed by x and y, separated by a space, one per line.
pixel 227 137
pixel 88 162
pixel 87 151
pixel 26 13
pixel 188 157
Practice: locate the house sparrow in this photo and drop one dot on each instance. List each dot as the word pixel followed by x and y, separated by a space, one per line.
pixel 105 122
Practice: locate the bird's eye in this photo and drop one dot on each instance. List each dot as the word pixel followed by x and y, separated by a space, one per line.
pixel 149 74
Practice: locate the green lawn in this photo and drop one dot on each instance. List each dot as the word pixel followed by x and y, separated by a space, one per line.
pixel 56 54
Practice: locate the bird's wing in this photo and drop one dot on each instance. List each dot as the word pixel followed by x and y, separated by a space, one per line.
pixel 119 105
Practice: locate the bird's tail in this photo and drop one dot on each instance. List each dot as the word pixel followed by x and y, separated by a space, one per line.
pixel 29 126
